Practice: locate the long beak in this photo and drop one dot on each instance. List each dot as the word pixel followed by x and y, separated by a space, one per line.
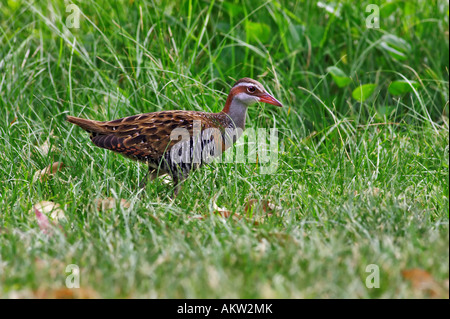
pixel 267 98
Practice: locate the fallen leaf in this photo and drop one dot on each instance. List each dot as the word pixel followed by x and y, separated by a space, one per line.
pixel 216 210
pixel 44 209
pixel 66 293
pixel 47 172
pixel 255 207
pixel 110 203
pixel 41 210
pixel 266 206
pixel 166 180
pixel 45 148
pixel 221 211
pixel 43 222
pixel 423 282
pixel 224 213
pixel 50 209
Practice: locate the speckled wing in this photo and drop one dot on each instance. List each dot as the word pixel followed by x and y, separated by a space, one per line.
pixel 145 137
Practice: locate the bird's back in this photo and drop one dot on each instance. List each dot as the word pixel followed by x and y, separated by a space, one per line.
pixel 147 137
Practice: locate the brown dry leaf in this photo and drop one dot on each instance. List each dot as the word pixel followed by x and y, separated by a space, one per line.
pixel 66 293
pixel 47 172
pixel 266 206
pixel 258 206
pixel 110 203
pixel 223 213
pixel 257 221
pixel 250 204
pixel 423 282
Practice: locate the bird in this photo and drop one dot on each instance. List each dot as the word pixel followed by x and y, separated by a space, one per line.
pixel 174 142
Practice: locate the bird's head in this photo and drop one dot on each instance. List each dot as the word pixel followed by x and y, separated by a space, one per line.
pixel 248 91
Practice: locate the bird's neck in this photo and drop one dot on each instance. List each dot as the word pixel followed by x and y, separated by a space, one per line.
pixel 236 111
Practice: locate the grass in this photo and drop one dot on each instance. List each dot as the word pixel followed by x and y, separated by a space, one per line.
pixel 357 183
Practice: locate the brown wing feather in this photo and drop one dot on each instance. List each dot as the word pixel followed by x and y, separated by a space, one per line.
pixel 146 136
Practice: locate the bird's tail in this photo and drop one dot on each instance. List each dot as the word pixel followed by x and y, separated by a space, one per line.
pixel 88 125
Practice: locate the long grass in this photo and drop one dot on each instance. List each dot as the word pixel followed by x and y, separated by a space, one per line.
pixel 357 183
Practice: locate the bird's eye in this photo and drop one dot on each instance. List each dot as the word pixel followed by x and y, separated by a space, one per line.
pixel 251 89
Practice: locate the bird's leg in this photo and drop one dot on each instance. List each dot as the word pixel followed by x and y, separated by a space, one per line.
pixel 177 183
pixel 153 175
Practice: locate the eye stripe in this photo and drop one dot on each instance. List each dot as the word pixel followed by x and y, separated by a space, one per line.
pixel 245 84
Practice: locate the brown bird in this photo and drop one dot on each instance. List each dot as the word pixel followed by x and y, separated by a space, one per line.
pixel 174 142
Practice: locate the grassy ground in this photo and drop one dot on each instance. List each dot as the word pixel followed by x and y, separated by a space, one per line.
pixel 358 182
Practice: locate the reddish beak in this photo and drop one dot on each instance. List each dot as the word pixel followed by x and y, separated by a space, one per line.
pixel 267 98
